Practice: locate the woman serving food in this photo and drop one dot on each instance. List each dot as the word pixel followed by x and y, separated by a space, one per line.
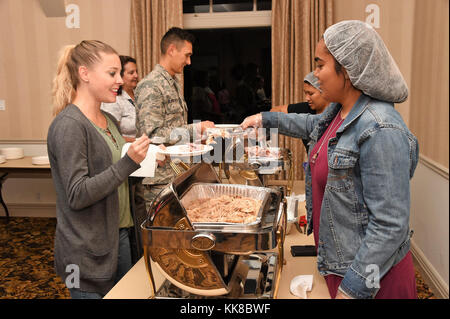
pixel 361 159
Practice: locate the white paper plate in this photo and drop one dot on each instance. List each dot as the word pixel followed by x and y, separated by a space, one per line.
pixel 12 152
pixel 40 160
pixel 300 285
pixel 226 125
pixel 2 159
pixel 181 150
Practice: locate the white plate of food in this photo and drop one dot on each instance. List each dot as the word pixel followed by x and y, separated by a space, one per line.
pixel 265 153
pixel 189 149
pixel 226 125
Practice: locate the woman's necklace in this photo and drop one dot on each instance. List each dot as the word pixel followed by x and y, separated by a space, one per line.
pixel 331 128
pixel 108 132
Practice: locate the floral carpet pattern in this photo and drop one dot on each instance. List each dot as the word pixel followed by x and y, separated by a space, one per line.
pixel 26 261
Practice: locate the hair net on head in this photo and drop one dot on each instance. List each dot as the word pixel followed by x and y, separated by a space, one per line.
pixel 370 66
pixel 310 78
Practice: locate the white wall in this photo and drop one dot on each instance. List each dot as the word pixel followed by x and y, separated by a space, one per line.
pixel 396 27
pixel 29 46
pixel 429 220
pixel 29 149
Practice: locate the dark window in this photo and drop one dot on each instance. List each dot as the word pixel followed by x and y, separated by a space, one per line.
pixel 232 5
pixel 264 5
pixel 202 6
pixel 195 6
pixel 230 70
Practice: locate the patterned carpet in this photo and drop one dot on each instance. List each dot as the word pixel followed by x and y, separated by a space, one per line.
pixel 26 261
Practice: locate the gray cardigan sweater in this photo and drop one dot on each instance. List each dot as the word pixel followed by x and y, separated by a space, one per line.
pixel 87 209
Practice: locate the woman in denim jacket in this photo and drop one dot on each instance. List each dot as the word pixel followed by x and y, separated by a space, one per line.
pixel 361 159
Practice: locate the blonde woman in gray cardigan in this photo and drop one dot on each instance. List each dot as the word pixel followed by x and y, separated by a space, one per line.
pixel 92 247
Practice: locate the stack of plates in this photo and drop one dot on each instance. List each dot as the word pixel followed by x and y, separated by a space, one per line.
pixel 12 152
pixel 2 159
pixel 40 160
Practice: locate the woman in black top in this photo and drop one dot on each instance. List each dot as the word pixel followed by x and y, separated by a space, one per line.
pixel 315 103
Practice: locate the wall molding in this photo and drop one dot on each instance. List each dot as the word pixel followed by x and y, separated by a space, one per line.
pixel 436 167
pixel 23 141
pixel 429 273
pixel 30 210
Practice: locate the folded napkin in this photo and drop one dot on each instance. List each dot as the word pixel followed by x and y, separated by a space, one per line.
pixel 148 165
pixel 300 285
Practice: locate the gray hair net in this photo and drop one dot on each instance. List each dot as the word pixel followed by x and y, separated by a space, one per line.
pixel 370 66
pixel 310 78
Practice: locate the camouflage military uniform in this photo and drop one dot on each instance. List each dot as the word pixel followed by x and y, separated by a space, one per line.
pixel 160 107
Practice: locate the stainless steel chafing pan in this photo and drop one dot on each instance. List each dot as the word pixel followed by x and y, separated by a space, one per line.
pixel 202 258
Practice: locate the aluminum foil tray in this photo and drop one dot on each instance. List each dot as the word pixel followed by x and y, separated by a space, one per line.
pixel 206 190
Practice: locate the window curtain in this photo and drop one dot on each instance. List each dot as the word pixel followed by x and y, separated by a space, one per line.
pixel 297 26
pixel 150 20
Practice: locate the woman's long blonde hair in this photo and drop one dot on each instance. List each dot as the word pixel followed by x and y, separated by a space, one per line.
pixel 66 81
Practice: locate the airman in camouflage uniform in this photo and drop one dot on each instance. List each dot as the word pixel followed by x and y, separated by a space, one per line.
pixel 160 106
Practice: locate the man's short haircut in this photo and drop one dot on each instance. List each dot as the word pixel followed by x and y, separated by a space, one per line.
pixel 175 35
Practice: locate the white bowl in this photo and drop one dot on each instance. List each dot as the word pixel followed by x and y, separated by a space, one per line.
pixel 2 159
pixel 12 152
pixel 40 160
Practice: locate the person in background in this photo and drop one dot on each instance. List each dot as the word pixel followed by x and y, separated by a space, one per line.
pixel 211 89
pixel 262 101
pixel 245 94
pixel 361 161
pixel 224 98
pixel 161 109
pixel 90 176
pixel 315 102
pixel 259 88
pixel 123 109
pixel 204 105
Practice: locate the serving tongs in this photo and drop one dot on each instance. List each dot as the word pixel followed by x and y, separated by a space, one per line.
pixel 176 167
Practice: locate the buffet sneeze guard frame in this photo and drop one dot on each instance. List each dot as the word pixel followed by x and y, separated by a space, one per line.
pixel 222 262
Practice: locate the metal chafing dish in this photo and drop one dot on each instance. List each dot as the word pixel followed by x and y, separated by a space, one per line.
pixel 223 260
pixel 256 170
pixel 259 171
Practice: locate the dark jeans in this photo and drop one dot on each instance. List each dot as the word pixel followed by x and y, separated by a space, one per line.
pixel 123 266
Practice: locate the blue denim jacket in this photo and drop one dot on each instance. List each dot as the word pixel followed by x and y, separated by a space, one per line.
pixel 364 221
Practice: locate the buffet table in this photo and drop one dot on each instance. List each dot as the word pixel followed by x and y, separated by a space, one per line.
pixel 21 168
pixel 136 283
